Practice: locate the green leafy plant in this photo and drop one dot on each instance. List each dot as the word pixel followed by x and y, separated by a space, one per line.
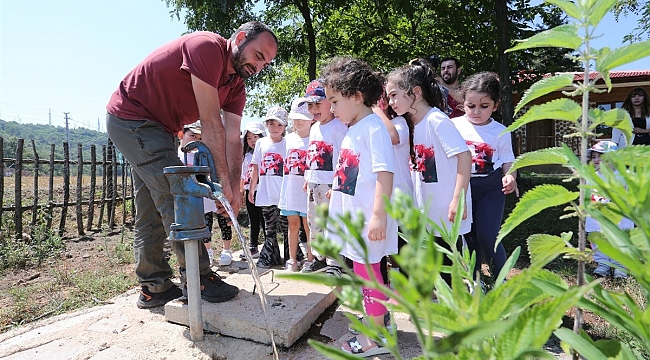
pixel 624 182
pixel 512 321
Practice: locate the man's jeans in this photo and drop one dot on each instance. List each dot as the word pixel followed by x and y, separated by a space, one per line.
pixel 149 148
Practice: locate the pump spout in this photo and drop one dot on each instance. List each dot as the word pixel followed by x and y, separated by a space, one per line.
pixel 203 157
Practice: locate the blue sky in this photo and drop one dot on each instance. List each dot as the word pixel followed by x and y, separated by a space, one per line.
pixel 69 56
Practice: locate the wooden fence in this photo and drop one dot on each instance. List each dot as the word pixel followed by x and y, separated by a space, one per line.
pixel 103 190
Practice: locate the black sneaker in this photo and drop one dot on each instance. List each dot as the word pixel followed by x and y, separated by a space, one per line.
pixel 315 266
pixel 215 290
pixel 334 271
pixel 147 299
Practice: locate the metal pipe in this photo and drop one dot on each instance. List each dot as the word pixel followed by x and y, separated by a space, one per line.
pixel 195 309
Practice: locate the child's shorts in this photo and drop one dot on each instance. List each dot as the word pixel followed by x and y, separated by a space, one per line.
pixel 292 213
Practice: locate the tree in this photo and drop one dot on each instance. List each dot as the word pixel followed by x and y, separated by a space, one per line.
pixel 386 34
pixel 637 7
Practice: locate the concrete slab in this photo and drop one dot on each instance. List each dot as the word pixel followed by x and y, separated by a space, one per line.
pixel 292 307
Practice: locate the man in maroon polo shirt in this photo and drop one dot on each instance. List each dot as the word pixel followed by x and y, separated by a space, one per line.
pixel 450 69
pixel 197 76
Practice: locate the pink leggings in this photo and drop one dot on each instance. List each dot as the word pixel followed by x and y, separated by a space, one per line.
pixel 371 307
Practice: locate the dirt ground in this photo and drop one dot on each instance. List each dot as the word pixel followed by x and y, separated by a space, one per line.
pixel 94 253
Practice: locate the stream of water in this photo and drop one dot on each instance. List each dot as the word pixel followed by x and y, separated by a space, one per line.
pixel 251 266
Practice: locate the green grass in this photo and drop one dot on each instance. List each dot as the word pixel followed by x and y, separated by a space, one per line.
pixel 66 291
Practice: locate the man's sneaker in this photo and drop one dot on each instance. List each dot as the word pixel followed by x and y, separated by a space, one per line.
pixel 314 266
pixel 392 327
pixel 262 265
pixel 215 290
pixel 291 265
pixel 255 254
pixel 226 258
pixel 620 274
pixel 147 299
pixel 334 270
pixel 603 270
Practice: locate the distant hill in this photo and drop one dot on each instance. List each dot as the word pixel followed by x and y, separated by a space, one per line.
pixel 44 136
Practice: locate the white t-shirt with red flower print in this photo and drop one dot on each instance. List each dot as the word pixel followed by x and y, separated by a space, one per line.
pixel 365 151
pixel 323 150
pixel 490 150
pixel 247 170
pixel 269 157
pixel 402 178
pixel 437 142
pixel 293 197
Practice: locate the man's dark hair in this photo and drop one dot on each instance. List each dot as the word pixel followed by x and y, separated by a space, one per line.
pixel 447 58
pixel 253 29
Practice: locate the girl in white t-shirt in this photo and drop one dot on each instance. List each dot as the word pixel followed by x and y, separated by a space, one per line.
pixel 293 197
pixel 442 159
pixel 252 133
pixel 266 183
pixel 363 178
pixel 492 157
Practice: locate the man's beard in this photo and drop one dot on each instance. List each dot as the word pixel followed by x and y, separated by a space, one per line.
pixel 452 79
pixel 239 63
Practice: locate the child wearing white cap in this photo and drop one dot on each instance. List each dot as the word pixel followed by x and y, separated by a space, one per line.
pixel 605 263
pixel 252 133
pixel 266 183
pixel 293 198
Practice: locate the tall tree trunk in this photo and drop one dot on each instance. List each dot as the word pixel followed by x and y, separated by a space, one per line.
pixel 303 6
pixel 503 43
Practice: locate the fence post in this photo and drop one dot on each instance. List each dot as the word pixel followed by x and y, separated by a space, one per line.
pixel 113 166
pixel 50 197
pixel 80 171
pixel 35 209
pixel 66 187
pixel 2 183
pixel 93 183
pixel 123 166
pixel 18 176
pixel 103 199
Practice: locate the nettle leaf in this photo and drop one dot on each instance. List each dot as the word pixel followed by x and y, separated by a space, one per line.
pixel 539 157
pixel 543 87
pixel 585 348
pixel 534 326
pixel 616 118
pixel 558 109
pixel 563 36
pixel 533 202
pixel 543 248
pixel 568 7
pixel 610 59
pixel 599 9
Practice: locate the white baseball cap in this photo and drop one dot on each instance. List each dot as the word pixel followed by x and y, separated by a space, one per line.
pixel 300 110
pixel 277 113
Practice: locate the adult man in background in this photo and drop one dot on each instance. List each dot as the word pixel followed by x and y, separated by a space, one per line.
pixel 450 69
pixel 197 76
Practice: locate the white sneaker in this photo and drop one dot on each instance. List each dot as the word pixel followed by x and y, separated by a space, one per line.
pixel 226 258
pixel 291 265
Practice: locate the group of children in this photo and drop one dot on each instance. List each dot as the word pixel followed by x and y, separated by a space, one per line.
pixel 357 137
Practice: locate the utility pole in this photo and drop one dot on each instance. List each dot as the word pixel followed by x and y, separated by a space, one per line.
pixel 50 111
pixel 98 129
pixel 67 131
